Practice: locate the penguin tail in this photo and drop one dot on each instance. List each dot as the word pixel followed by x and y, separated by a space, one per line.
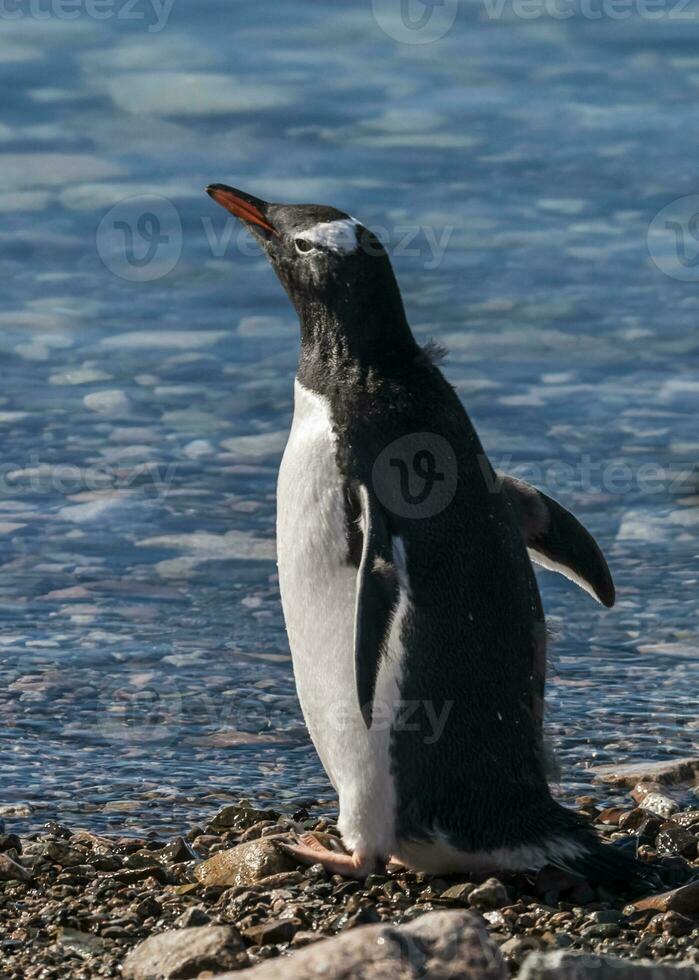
pixel 608 865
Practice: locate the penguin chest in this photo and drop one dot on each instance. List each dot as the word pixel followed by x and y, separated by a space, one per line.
pixel 318 586
pixel 317 583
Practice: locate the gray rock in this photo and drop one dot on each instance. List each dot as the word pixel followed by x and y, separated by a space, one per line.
pixel 660 805
pixel 185 953
pixel 12 871
pixel 62 854
pixel 451 945
pixel 194 916
pixel 517 948
pixel 458 893
pixel 242 814
pixel 564 965
pixel 244 864
pixel 673 771
pixel 85 944
pixel 492 894
pixel 272 932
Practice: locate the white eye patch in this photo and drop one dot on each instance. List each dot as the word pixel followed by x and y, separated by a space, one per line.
pixel 339 235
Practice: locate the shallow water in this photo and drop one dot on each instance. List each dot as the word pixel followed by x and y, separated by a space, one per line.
pixel 514 167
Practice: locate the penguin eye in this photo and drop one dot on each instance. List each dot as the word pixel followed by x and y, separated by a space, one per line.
pixel 303 245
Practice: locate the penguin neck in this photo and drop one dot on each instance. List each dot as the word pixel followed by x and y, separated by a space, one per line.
pixel 349 341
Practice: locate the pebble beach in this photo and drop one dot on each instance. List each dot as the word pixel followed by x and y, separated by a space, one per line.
pixel 83 904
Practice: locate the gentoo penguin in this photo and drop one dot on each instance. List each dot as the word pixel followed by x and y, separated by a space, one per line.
pixel 411 606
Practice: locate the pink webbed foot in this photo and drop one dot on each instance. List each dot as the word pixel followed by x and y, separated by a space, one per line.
pixel 311 851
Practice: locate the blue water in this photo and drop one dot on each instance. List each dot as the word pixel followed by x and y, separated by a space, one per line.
pixel 514 167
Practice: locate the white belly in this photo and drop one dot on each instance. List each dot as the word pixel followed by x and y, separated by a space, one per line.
pixel 318 589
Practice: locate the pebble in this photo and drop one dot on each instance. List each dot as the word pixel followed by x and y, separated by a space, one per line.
pixel 661 806
pixel 274 932
pixel 194 916
pixel 459 893
pixel 492 894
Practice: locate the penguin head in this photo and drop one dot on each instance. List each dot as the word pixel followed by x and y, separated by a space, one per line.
pixel 335 271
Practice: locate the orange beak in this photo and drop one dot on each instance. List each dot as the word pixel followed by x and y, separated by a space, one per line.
pixel 242 205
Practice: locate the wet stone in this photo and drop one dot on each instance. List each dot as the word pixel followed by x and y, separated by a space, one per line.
pixel 177 852
pixel 647 830
pixel 241 815
pixel 684 899
pixel 659 805
pixel 244 864
pixel 63 854
pixel 674 839
pixel 687 818
pixel 631 820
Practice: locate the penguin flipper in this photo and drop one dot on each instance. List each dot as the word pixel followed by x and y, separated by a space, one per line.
pixel 377 592
pixel 557 540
